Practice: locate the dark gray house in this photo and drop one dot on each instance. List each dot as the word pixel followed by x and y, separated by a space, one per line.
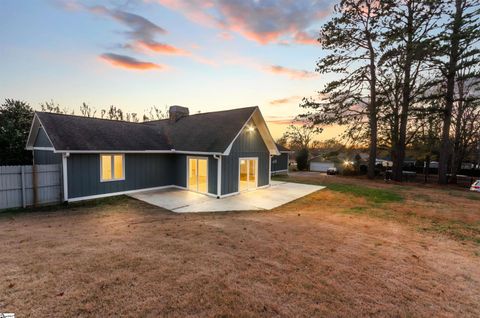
pixel 218 153
pixel 280 162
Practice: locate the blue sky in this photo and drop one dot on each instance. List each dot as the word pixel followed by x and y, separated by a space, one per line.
pixel 206 55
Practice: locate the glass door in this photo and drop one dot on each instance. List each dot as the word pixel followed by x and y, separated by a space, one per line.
pixel 198 175
pixel 248 174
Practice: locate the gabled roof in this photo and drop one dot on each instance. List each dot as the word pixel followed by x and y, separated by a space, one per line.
pixel 204 132
pixel 212 132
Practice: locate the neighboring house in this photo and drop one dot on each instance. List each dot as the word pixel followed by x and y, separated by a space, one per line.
pixel 218 153
pixel 280 163
pixel 320 164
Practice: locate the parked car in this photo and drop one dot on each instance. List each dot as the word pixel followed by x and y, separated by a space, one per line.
pixel 332 171
pixel 475 186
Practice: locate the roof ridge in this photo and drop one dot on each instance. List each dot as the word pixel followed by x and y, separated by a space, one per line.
pixel 87 117
pixel 143 122
pixel 206 113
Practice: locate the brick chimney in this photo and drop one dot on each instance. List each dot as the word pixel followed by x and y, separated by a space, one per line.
pixel 176 112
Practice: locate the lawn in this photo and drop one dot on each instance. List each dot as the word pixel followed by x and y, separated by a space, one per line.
pixel 357 248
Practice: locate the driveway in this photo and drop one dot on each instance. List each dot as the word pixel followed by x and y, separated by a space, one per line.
pixel 180 201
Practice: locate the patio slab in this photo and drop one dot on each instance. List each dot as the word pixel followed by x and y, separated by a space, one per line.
pixel 183 201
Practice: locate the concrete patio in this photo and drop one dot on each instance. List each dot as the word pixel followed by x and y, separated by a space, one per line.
pixel 183 201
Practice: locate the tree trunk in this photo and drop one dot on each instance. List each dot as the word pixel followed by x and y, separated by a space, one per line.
pixel 445 147
pixel 456 163
pixel 372 157
pixel 397 169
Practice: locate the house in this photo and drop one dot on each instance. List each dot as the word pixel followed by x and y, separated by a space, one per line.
pixel 320 164
pixel 218 153
pixel 280 163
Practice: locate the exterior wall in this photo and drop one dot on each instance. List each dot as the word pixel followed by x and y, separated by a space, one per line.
pixel 42 139
pixel 180 166
pixel 46 157
pixel 248 144
pixel 280 163
pixel 141 171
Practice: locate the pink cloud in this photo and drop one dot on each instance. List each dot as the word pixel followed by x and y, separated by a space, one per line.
pixel 305 38
pixel 285 100
pixel 290 72
pixel 161 48
pixel 128 62
pixel 261 21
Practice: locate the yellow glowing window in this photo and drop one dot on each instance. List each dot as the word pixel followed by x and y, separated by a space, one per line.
pixel 112 167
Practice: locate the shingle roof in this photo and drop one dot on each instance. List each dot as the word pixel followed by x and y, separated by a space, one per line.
pixel 205 132
pixel 282 148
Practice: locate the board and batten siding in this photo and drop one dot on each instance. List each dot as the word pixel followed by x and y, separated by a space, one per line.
pixel 247 144
pixel 42 139
pixel 141 171
pixel 280 163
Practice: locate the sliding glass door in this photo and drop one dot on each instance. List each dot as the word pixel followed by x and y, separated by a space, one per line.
pixel 248 174
pixel 198 174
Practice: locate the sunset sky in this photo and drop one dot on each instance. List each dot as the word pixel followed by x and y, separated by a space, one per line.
pixel 206 55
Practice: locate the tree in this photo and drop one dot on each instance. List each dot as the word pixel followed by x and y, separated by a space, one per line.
pixel 353 37
pixel 15 120
pixel 302 136
pixel 409 42
pixel 460 34
pixel 87 111
pixel 52 107
pixel 465 118
pixel 301 157
pixel 155 113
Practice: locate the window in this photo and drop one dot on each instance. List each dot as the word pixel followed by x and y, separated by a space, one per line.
pixel 112 167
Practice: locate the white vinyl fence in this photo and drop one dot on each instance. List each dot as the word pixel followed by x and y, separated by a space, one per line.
pixel 22 186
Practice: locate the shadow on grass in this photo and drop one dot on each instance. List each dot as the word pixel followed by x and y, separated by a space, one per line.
pixel 67 206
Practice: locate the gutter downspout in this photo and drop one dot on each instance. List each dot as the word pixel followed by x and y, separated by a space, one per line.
pixel 219 175
pixel 65 176
pixel 270 170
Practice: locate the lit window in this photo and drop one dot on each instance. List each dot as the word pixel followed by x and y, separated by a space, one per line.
pixel 112 167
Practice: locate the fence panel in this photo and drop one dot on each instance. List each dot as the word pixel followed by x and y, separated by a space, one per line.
pixel 18 185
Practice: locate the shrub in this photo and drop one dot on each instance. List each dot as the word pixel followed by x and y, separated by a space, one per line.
pixel 302 159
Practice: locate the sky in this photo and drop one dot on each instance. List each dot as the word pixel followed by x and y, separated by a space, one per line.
pixel 207 55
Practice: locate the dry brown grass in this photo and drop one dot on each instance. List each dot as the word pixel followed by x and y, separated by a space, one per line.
pixel 307 258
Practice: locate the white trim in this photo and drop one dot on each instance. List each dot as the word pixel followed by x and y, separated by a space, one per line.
pixel 30 133
pixel 219 176
pixel 45 131
pixel 112 165
pixel 99 196
pixel 112 194
pixel 229 195
pixel 65 176
pixel 284 170
pixel 140 151
pixel 188 171
pixel 270 169
pixel 248 173
pixel 43 148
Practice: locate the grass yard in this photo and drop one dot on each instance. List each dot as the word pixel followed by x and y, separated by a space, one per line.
pixel 357 248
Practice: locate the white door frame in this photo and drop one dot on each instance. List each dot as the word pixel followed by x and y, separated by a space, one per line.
pixel 248 174
pixel 188 173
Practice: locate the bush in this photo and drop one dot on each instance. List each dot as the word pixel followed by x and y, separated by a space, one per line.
pixel 302 159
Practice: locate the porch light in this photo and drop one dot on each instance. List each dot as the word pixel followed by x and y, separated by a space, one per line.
pixel 251 129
